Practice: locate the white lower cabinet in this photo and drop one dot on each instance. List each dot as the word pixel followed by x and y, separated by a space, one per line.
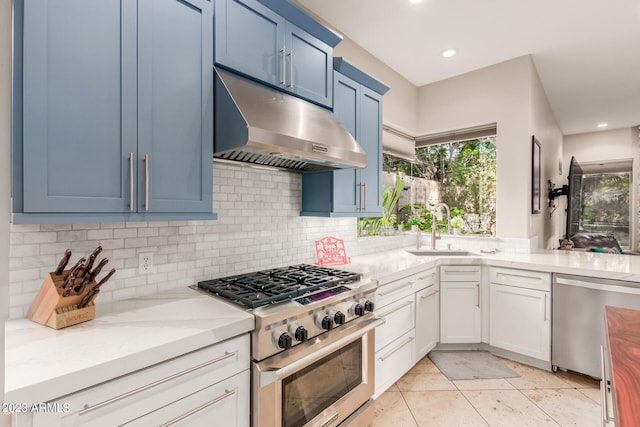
pixel 460 304
pixel 405 327
pixel 225 403
pixel 393 361
pixel 209 386
pixel 427 320
pixel 520 312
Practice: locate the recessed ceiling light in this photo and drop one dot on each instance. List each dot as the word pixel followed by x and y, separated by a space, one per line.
pixel 415 1
pixel 603 125
pixel 449 53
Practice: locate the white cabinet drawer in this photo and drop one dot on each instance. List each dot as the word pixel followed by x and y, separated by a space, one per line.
pixel 393 361
pixel 225 403
pixel 460 273
pixel 399 319
pixel 126 398
pixel 521 278
pixel 392 291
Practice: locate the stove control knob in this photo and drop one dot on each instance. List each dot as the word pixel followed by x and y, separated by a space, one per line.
pixel 284 340
pixel 325 322
pixel 358 309
pixel 301 334
pixel 368 305
pixel 339 318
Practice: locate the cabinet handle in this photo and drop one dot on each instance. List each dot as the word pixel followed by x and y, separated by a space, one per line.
pixel 290 55
pixel 283 77
pixel 396 348
pixel 518 276
pixel 330 420
pixel 427 296
pixel 88 409
pixel 364 195
pixel 146 182
pixel 226 394
pixel 131 159
pixel 393 310
pixel 545 307
pixel 603 389
pixel 461 271
pixel 478 287
pixel 360 192
pixel 395 288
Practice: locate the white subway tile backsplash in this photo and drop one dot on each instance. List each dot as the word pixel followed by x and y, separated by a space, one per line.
pixel 258 227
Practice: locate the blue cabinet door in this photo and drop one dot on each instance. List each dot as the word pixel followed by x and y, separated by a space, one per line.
pixel 346 107
pixel 310 66
pixel 370 138
pixel 175 101
pixel 79 103
pixel 249 38
pixel 350 192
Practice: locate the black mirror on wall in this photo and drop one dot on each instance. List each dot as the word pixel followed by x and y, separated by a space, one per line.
pixel 535 176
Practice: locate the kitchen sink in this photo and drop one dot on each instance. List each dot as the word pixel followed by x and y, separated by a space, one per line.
pixel 440 252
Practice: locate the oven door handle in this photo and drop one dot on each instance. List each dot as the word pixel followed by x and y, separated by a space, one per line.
pixel 271 374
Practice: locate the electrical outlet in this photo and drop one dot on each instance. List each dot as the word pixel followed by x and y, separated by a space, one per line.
pixel 145 262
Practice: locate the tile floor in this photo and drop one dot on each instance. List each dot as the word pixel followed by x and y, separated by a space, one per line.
pixel 425 397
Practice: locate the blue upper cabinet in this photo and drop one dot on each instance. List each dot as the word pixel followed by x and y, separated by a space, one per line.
pixel 175 106
pixel 351 192
pixel 249 38
pixel 259 39
pixel 79 105
pixel 101 86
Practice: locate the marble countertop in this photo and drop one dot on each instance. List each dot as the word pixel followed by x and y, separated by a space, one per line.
pixel 391 265
pixel 42 363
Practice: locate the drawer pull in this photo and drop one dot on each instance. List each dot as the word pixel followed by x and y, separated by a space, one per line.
pixel 519 276
pixel 427 296
pixel 461 271
pixel 199 408
pixel 395 288
pixel 331 420
pixel 396 348
pixel 88 409
pixel 393 310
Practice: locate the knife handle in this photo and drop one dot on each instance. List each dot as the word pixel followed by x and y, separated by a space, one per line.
pixel 88 298
pixel 74 269
pixel 68 286
pixel 105 278
pixel 63 262
pixel 90 275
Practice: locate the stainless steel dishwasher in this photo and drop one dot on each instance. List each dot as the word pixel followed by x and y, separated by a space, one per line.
pixel 578 319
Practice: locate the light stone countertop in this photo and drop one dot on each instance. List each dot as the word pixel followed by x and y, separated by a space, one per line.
pixel 133 334
pixel 43 363
pixel 392 265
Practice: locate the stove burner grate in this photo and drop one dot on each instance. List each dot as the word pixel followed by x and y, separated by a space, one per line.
pixel 271 286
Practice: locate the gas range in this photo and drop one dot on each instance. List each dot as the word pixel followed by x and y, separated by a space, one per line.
pixel 293 305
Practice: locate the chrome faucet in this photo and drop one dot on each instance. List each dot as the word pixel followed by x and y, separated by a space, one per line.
pixel 433 223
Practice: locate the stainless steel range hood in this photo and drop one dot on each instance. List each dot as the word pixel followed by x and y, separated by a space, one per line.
pixel 260 125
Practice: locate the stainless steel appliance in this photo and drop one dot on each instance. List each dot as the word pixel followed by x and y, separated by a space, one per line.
pixel 312 346
pixel 578 319
pixel 267 127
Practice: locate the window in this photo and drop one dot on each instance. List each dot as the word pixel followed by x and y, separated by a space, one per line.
pixel 461 174
pixel 606 203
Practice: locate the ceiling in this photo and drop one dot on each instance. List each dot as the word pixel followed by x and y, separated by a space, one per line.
pixel 587 52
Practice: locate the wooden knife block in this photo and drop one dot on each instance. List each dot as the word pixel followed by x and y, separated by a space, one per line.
pixel 51 309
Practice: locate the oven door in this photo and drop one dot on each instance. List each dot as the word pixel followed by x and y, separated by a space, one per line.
pixel 318 383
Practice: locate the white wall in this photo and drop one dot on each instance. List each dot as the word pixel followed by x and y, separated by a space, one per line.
pixel 497 94
pixel 613 144
pixel 400 102
pixel 549 225
pixel 5 169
